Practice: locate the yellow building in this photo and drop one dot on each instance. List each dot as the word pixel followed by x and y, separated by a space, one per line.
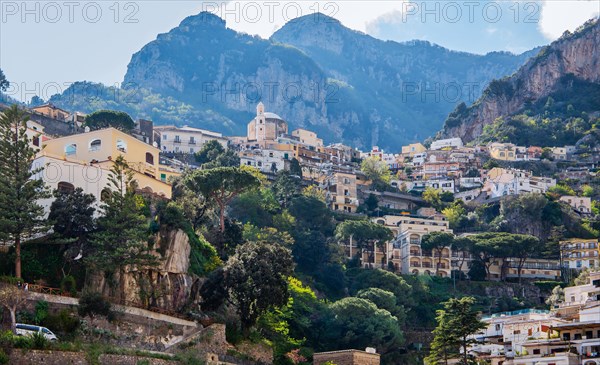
pixel 413 149
pixel 307 137
pixel 101 147
pixel 503 151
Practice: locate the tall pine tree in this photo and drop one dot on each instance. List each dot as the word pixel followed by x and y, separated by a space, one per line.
pixel 20 214
pixel 122 236
pixel 456 323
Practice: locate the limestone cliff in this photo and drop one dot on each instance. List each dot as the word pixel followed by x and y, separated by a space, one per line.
pixel 169 286
pixel 576 55
pixel 314 72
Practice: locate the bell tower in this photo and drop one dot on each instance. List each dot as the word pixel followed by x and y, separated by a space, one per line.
pixel 261 125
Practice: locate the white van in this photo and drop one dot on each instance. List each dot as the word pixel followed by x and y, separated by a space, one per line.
pixel 30 329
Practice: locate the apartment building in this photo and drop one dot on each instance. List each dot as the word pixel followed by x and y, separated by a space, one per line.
pixel 410 231
pixel 439 169
pixel 568 335
pixel 185 139
pixel 81 159
pixel 579 253
pixel 307 137
pixel 342 191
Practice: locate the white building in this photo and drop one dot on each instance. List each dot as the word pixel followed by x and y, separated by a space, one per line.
pixel 443 184
pixel 419 159
pixel 184 139
pixel 446 144
pixel 502 182
pixel 388 158
pixel 67 175
pixel 267 161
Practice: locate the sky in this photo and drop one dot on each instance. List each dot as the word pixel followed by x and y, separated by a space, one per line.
pixel 46 45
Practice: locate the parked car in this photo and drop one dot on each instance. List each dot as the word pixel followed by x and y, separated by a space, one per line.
pixel 30 329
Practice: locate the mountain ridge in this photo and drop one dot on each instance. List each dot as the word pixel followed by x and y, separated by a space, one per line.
pixel 216 76
pixel 574 55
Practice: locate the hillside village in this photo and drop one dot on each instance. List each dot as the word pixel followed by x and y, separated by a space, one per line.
pixel 440 210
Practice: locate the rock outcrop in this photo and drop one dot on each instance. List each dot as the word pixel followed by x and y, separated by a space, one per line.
pixel 168 286
pixel 575 54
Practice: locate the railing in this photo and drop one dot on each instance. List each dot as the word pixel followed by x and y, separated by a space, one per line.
pixel 47 290
pixel 515 313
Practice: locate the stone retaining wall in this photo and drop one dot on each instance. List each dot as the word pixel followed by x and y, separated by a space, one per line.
pixel 39 357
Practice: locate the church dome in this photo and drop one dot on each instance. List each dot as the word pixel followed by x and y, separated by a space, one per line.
pixel 270 115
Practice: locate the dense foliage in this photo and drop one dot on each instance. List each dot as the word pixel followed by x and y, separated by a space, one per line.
pixel 565 117
pixel 21 215
pixel 109 118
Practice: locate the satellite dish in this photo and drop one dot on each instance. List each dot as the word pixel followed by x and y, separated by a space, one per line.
pixel 154 144
pixel 87 129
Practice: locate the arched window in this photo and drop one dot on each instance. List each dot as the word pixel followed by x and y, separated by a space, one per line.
pixel 149 158
pixel 65 187
pixel 95 145
pixel 70 149
pixel 121 145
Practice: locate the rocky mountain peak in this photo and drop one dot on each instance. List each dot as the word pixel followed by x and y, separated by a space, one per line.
pixel 575 55
pixel 201 21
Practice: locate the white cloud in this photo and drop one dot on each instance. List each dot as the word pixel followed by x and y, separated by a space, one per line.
pixel 560 15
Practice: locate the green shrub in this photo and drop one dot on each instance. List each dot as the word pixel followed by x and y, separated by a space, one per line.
pixel 23 342
pixel 91 304
pixel 7 340
pixel 547 285
pixel 189 358
pixel 39 341
pixel 41 311
pixel 63 323
pixel 8 279
pixel 68 284
pixel 3 357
